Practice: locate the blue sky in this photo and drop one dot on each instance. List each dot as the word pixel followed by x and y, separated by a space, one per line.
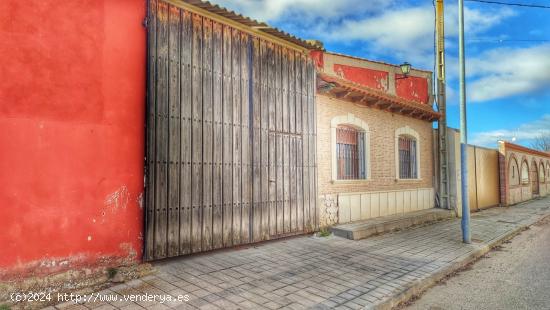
pixel 508 81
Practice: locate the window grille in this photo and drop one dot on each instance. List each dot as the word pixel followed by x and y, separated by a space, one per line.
pixel 350 153
pixel 407 158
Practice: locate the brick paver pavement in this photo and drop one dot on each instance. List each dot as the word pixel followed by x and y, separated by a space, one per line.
pixel 321 273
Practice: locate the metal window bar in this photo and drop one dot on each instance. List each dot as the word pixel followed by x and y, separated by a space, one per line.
pixel 350 152
pixel 407 158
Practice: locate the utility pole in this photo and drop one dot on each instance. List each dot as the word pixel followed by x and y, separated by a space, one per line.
pixel 443 172
pixel 466 236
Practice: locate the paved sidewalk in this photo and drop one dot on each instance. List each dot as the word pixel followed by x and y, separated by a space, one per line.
pixel 324 273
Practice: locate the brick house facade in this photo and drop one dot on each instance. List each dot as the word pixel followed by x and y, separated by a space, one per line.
pixel 524 173
pixel 376 100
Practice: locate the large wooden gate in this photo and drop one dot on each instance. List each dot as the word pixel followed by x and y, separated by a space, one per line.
pixel 230 136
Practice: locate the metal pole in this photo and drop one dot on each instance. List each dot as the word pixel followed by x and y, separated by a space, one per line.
pixel 466 236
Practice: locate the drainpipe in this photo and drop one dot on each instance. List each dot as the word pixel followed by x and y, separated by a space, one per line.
pixel 465 223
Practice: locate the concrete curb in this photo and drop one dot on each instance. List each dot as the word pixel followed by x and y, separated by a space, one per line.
pixel 420 286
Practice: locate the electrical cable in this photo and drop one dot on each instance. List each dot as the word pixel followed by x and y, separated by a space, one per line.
pixel 538 6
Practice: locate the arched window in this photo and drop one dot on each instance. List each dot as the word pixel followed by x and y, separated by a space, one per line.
pixel 513 172
pixel 541 173
pixel 350 153
pixel 524 173
pixel 407 153
pixel 350 148
pixel 548 170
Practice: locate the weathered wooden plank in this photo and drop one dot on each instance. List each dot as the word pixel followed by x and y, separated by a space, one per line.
pixel 299 186
pixel 256 143
pixel 272 179
pixel 278 140
pixel 217 110
pixel 299 90
pixel 207 134
pixel 272 185
pixel 312 124
pixel 305 149
pixel 264 138
pixel 284 86
pixel 237 148
pixel 161 202
pixel 286 184
pixel 227 119
pixel 292 92
pixel 151 133
pixel 197 170
pixel 186 130
pixel 293 185
pixel 280 183
pixel 246 76
pixel 173 131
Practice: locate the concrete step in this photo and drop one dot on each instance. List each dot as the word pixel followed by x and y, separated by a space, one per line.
pixel 363 229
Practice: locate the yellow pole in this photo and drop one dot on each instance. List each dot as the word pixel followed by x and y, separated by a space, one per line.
pixel 443 172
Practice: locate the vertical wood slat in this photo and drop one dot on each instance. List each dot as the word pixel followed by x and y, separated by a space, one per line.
pixel 305 147
pixel 228 139
pixel 279 140
pixel 207 133
pixel 246 160
pixel 151 133
pixel 293 185
pixel 312 146
pixel 196 143
pixel 225 155
pixel 299 186
pixel 284 86
pixel 286 184
pixel 186 130
pixel 161 201
pixel 272 178
pixel 237 147
pixel 299 150
pixel 256 142
pixel 291 92
pixel 264 139
pixel 217 145
pixel 285 140
pixel 174 138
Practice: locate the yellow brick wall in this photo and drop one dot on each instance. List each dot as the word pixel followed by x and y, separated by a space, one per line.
pixel 382 126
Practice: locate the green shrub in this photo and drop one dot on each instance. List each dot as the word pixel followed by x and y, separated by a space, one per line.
pixel 324 232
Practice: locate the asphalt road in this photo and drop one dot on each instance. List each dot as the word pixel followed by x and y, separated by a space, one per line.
pixel 514 276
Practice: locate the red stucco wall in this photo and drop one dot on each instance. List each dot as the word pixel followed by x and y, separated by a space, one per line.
pixel 412 88
pixel 368 77
pixel 72 103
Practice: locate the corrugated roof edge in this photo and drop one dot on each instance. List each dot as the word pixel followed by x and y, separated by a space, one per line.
pixel 249 22
pixel 375 61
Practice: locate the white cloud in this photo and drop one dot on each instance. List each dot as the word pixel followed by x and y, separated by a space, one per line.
pixel 302 10
pixel 505 72
pixel 524 134
pixel 408 32
pixel 475 21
